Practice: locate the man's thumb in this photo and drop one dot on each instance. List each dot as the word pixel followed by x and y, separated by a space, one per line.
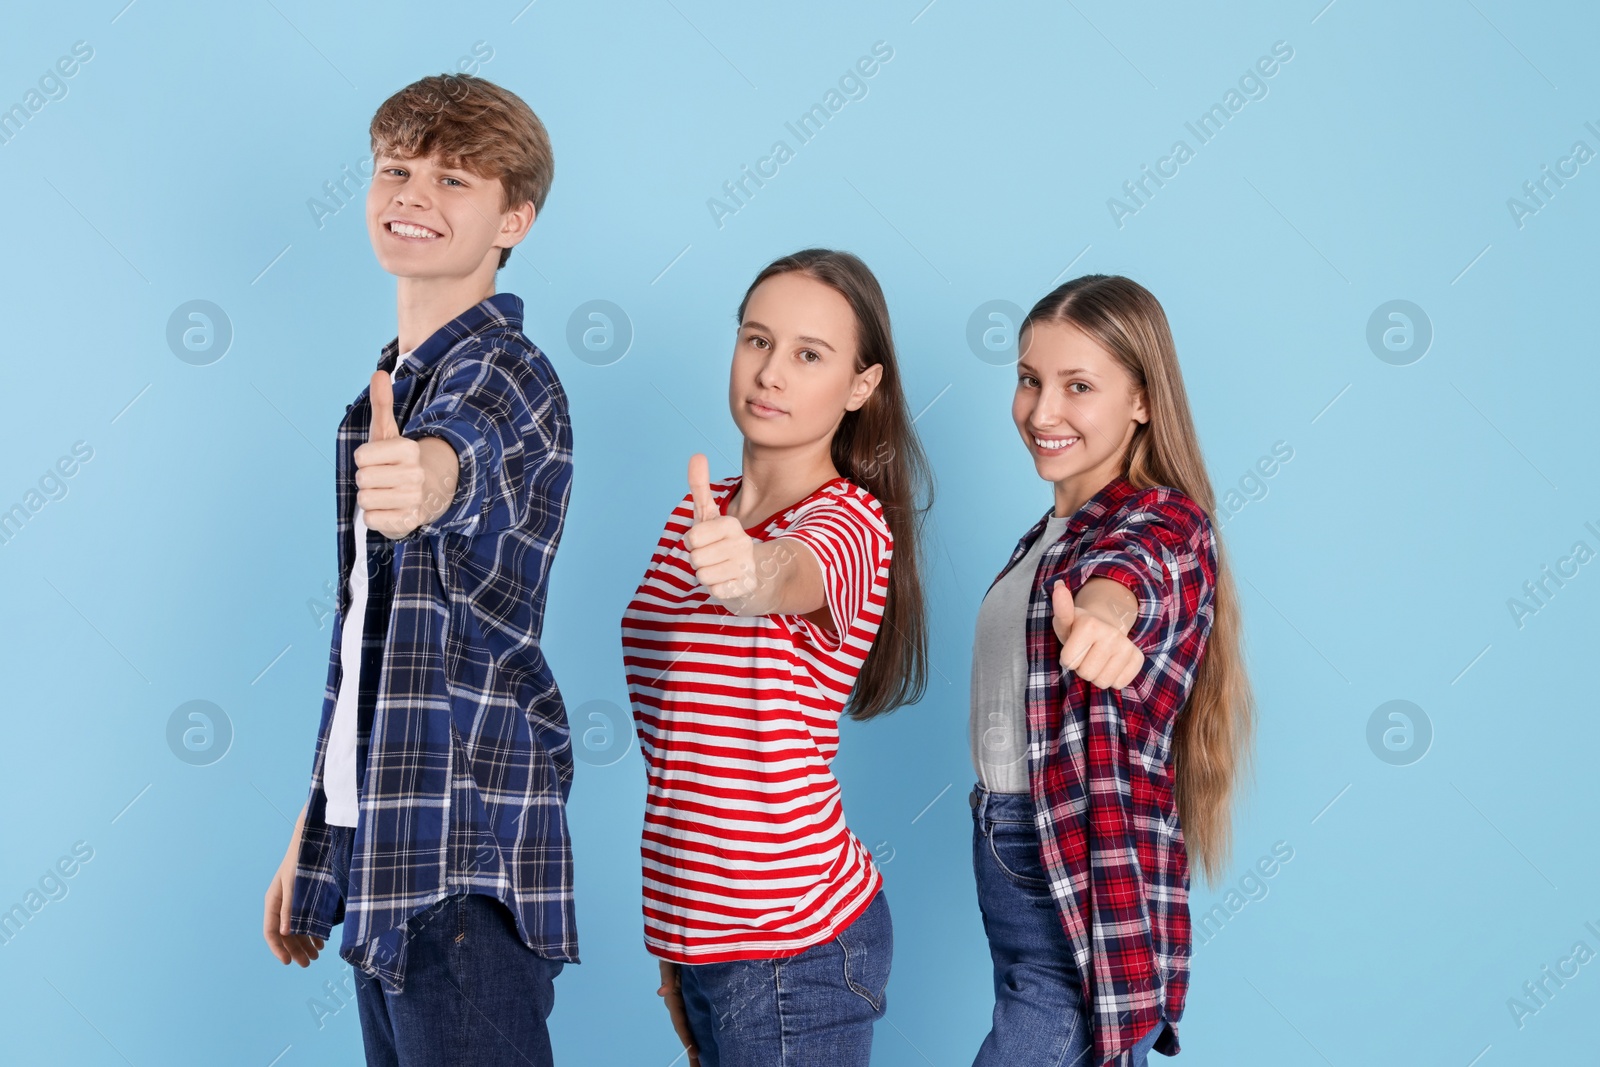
pixel 381 393
pixel 705 505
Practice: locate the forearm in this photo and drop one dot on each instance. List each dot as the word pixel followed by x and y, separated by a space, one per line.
pixel 787 581
pixel 1109 601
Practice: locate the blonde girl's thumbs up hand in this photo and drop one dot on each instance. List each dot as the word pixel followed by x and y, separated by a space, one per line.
pixel 1092 648
pixel 721 553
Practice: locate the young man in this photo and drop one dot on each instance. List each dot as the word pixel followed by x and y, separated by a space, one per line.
pixel 436 826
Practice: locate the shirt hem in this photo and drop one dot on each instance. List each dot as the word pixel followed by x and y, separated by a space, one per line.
pixel 677 954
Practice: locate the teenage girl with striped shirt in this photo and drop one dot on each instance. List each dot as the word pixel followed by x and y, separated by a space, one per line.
pixel 776 600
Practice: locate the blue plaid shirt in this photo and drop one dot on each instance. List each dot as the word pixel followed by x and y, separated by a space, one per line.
pixel 462 749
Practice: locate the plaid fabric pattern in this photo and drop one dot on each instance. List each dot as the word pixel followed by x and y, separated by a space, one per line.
pixel 462 739
pixel 1099 773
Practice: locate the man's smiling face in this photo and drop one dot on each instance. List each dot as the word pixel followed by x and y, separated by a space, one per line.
pixel 427 219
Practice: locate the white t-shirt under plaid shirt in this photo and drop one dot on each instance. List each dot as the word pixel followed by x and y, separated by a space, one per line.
pixel 745 849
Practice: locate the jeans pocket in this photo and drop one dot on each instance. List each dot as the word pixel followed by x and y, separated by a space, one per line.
pixel 1015 848
pixel 868 945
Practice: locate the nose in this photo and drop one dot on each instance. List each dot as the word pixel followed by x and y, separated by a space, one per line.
pixel 409 195
pixel 1046 411
pixel 767 375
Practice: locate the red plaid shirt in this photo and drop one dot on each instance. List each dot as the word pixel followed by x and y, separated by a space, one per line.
pixel 1098 759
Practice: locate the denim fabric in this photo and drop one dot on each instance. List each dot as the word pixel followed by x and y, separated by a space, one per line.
pixel 474 993
pixel 814 1008
pixel 1039 1015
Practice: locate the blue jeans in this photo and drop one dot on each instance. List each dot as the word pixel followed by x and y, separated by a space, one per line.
pixel 815 1008
pixel 1039 1015
pixel 474 993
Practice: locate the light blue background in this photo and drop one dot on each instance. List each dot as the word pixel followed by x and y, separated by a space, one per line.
pixel 186 558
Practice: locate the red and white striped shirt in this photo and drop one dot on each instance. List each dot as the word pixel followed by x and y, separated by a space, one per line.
pixel 745 849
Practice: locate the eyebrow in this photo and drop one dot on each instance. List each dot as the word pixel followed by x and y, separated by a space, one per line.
pixel 752 325
pixel 1021 365
pixel 382 160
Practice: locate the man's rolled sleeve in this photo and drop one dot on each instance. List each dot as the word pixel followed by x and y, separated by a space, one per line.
pixel 483 410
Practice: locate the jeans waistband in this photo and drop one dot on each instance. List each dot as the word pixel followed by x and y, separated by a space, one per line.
pixel 989 807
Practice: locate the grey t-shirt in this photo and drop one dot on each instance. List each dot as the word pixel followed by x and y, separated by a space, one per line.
pixel 999 727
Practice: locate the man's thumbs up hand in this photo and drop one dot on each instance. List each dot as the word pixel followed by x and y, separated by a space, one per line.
pixel 1092 648
pixel 389 472
pixel 381 393
pixel 721 553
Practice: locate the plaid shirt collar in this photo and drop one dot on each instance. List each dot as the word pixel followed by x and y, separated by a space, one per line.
pixel 1126 921
pixel 1093 511
pixel 498 313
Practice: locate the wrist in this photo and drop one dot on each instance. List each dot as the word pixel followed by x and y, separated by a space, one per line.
pixel 441 473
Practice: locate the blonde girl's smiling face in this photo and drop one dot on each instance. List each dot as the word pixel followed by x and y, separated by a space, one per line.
pixel 428 219
pixel 794 363
pixel 1076 406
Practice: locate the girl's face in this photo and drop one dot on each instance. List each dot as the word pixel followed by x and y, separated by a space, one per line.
pixel 1075 406
pixel 794 364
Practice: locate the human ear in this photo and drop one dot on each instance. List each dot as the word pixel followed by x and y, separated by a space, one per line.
pixel 866 381
pixel 515 224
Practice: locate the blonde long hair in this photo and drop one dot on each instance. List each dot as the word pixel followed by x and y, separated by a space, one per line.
pixel 1212 739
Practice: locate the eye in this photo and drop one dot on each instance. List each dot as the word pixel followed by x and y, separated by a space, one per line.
pixel 810 355
pixel 1085 385
pixel 398 171
pixel 1027 381
pixel 455 180
pixel 756 340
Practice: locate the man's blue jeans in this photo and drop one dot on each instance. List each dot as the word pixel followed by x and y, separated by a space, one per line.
pixel 474 993
pixel 1039 1016
pixel 814 1009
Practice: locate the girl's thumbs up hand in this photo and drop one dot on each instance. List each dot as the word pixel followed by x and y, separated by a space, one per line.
pixel 1092 648
pixel 721 553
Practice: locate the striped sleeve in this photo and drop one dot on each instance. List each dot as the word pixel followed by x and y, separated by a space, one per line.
pixel 851 542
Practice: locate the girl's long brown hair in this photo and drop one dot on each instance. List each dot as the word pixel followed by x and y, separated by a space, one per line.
pixel 1212 739
pixel 877 448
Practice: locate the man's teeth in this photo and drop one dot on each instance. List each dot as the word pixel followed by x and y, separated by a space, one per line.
pixel 406 230
pixel 1053 442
